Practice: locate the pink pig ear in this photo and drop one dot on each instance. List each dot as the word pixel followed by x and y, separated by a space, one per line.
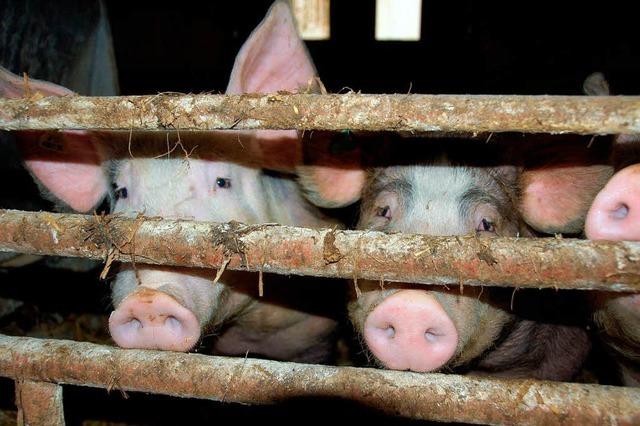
pixel 275 58
pixel 556 194
pixel 69 163
pixel 331 187
pixel 13 86
pixel 333 174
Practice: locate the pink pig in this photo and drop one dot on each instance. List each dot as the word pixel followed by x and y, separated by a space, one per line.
pixel 615 215
pixel 462 187
pixel 207 176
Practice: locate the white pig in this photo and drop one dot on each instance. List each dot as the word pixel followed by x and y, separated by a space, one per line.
pixel 208 176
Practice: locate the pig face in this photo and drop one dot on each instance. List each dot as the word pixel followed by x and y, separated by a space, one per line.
pixel 214 176
pixel 438 198
pixel 460 188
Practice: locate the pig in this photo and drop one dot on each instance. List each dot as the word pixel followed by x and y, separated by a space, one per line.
pixel 208 176
pixel 614 215
pixel 502 187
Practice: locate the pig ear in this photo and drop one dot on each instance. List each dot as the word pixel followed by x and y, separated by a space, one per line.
pixel 274 58
pixel 68 164
pixel 556 195
pixel 332 174
pixel 13 86
pixel 331 187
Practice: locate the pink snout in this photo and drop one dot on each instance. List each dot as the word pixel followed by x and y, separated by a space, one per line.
pixel 411 331
pixel 615 212
pixel 150 319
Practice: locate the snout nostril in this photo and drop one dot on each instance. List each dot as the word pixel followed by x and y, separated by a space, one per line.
pixel 135 323
pixel 431 336
pixel 620 212
pixel 172 322
pixel 390 331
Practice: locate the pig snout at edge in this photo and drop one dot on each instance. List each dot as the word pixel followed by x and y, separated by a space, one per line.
pixel 615 212
pixel 615 216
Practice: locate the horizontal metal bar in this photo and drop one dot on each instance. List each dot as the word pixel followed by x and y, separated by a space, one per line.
pixel 463 260
pixel 439 397
pixel 39 403
pixel 418 113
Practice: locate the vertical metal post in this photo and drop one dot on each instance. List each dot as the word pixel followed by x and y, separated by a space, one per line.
pixel 39 403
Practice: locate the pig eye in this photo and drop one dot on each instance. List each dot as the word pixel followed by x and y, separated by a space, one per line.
pixel 120 192
pixel 223 182
pixel 384 211
pixel 486 226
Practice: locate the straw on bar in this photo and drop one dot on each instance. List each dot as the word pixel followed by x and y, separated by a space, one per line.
pixel 461 260
pixel 418 113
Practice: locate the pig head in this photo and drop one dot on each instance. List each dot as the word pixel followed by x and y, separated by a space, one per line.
pixel 212 176
pixel 458 187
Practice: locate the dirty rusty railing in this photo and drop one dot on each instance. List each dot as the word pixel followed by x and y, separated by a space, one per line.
pixel 41 366
pixel 442 397
pixel 468 260
pixel 417 113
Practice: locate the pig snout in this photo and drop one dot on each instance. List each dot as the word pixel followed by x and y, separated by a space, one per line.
pixel 615 212
pixel 150 319
pixel 410 330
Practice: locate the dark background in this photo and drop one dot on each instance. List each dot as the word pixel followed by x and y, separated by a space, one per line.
pixel 475 47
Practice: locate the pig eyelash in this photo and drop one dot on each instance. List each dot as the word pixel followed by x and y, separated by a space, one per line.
pixel 223 182
pixel 384 211
pixel 486 226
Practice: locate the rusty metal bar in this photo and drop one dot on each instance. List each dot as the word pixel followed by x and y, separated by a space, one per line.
pixel 464 260
pixel 39 403
pixel 418 113
pixel 439 397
